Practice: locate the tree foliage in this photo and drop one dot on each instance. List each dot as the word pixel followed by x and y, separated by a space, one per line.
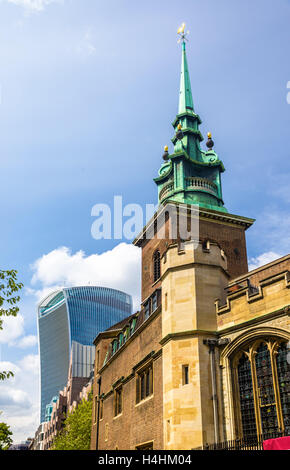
pixel 9 298
pixel 76 434
pixel 5 436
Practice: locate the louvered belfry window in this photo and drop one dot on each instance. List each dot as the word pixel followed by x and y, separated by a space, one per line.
pixel 156 265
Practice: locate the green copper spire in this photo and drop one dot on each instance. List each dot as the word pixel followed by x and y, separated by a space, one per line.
pixel 190 174
pixel 185 95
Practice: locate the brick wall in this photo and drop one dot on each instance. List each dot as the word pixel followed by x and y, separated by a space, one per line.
pixel 138 423
pixel 230 238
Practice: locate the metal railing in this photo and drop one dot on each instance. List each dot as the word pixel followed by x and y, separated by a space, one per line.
pixel 248 443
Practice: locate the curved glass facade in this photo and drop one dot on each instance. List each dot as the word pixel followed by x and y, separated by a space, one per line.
pixel 68 316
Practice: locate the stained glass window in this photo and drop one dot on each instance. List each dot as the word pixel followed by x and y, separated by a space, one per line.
pixel 283 372
pixel 266 394
pixel 246 398
pixel 261 404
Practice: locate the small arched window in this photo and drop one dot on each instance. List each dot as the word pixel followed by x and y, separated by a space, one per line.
pixel 156 265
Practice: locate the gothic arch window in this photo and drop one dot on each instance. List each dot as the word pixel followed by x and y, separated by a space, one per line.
pixel 156 265
pixel 261 388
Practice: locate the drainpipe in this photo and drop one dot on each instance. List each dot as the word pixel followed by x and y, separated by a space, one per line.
pixel 212 343
pixel 99 381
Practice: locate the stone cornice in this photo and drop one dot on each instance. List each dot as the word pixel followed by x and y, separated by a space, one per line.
pixel 221 332
pixel 190 265
pixel 284 311
pixel 216 216
pixel 186 334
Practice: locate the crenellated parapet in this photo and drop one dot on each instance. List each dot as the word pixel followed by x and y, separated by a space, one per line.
pixel 245 302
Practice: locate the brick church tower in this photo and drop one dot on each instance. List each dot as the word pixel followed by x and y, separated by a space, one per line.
pixel 190 271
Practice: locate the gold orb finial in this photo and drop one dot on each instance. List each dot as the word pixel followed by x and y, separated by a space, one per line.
pixel 210 142
pixel 179 127
pixel 165 148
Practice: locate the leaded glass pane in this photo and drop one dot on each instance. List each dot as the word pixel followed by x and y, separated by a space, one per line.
pixel 283 370
pixel 246 398
pixel 267 402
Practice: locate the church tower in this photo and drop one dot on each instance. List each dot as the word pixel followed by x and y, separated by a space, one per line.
pixel 187 370
pixel 190 179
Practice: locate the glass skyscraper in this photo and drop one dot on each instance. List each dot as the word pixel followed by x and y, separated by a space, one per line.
pixel 68 322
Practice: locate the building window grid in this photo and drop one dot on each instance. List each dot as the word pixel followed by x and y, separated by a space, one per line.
pixel 108 301
pixel 75 300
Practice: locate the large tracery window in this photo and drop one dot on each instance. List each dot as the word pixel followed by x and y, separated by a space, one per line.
pixel 261 385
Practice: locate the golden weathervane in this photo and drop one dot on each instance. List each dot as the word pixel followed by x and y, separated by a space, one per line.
pixel 182 33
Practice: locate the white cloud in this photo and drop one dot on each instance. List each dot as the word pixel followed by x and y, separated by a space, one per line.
pixel 262 259
pixel 13 397
pixel 27 341
pixel 6 365
pixel 13 328
pixel 30 363
pixel 32 5
pixel 119 268
pixel 19 397
pixel 12 333
pixel 86 46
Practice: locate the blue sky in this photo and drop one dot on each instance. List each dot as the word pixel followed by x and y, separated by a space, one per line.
pixel 88 93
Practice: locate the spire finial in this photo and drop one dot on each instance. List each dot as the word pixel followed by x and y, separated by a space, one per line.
pixel 182 34
pixel 185 96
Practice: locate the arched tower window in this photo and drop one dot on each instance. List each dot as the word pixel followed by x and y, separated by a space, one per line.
pixel 261 386
pixel 156 265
